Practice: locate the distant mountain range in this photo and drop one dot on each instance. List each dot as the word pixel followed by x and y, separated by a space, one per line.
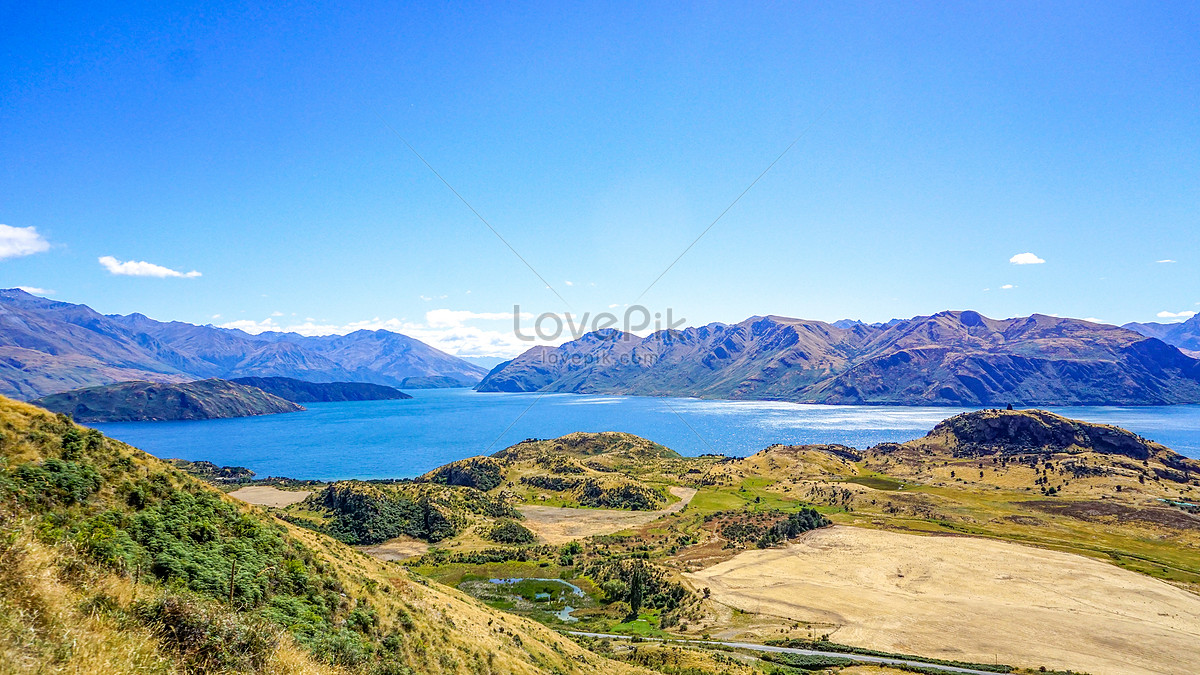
pixel 1185 335
pixel 950 358
pixel 48 346
pixel 299 391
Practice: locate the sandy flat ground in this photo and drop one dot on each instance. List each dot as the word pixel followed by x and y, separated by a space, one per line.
pixel 265 495
pixel 400 548
pixel 557 525
pixel 968 598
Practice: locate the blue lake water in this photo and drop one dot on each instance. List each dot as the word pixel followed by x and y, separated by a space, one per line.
pixel 399 439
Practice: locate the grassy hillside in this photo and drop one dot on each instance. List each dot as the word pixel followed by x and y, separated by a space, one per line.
pixel 113 561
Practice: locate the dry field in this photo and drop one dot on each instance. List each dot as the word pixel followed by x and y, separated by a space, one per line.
pixel 557 525
pixel 400 548
pixel 265 495
pixel 967 598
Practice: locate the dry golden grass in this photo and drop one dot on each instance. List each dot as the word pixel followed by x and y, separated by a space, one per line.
pixel 44 628
pixel 966 598
pixel 400 548
pixel 557 525
pixel 266 495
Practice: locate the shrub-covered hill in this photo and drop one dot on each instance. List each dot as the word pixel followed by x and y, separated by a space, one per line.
pixel 583 469
pixel 609 446
pixel 1038 432
pixel 140 401
pixel 113 561
pixel 357 512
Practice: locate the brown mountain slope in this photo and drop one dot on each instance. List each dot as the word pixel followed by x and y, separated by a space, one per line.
pixel 48 346
pixel 950 358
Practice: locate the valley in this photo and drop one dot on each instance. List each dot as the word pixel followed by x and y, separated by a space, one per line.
pixel 951 547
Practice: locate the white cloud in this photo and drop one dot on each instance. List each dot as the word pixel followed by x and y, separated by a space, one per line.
pixel 141 268
pixel 276 313
pixel 252 327
pixel 450 330
pixel 569 283
pixel 1164 261
pixel 1093 319
pixel 216 316
pixel 1185 314
pixel 20 241
pixel 1025 259
pixel 36 291
pixel 1007 287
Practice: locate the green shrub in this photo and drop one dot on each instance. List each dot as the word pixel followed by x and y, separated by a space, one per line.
pixel 57 481
pixel 511 532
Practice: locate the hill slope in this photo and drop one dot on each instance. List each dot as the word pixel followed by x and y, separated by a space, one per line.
pixel 299 391
pixel 142 401
pixel 113 561
pixel 48 346
pixel 950 358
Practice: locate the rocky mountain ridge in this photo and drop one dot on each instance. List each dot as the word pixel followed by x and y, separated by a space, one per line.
pixel 949 358
pixel 1185 334
pixel 48 346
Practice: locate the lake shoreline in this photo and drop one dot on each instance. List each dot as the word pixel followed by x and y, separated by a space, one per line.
pixel 404 439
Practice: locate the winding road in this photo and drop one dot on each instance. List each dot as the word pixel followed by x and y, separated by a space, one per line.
pixel 860 658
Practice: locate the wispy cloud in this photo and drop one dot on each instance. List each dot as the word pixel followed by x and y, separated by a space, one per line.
pixel 1164 261
pixel 1007 287
pixel 21 241
pixel 459 332
pixel 1025 259
pixel 36 291
pixel 1185 314
pixel 141 268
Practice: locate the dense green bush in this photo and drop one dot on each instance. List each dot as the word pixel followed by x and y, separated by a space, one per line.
pixel 364 514
pixel 793 526
pixel 511 532
pixel 622 495
pixel 56 480
pixel 807 662
pixel 636 582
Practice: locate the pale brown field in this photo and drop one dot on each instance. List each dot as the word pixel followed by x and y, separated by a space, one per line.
pixel 400 548
pixel 265 495
pixel 557 525
pixel 967 598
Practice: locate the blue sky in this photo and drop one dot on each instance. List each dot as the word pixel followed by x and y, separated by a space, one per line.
pixel 251 146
